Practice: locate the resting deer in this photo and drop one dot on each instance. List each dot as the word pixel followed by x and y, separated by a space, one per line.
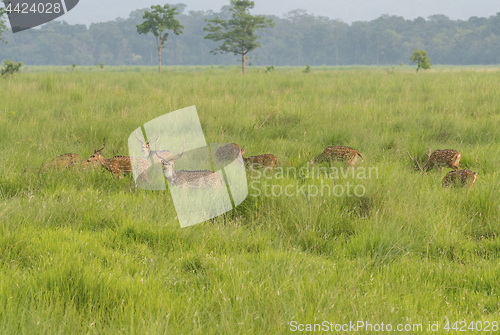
pixel 460 178
pixel 439 158
pixel 84 165
pixel 228 152
pixel 190 179
pixel 261 161
pixel 119 165
pixel 149 154
pixel 61 162
pixel 338 153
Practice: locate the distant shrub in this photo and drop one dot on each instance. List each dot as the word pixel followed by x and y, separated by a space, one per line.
pixel 308 69
pixel 10 68
pixel 270 69
pixel 393 69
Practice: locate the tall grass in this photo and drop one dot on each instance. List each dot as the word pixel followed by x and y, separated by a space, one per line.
pixel 81 252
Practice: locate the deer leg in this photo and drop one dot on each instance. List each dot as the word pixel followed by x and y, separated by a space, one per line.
pixel 143 176
pixel 350 163
pixel 116 173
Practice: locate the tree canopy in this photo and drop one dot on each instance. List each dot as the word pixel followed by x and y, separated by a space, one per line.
pixel 159 21
pixel 239 32
pixel 420 57
pixel 295 39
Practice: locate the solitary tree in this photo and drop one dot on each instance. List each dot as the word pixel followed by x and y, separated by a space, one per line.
pixel 238 33
pixel 420 57
pixel 3 26
pixel 156 22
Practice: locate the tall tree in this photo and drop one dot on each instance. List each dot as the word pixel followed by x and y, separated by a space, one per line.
pixel 420 57
pixel 156 22
pixel 238 33
pixel 3 27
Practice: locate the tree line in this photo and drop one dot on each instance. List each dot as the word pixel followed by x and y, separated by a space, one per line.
pixel 297 38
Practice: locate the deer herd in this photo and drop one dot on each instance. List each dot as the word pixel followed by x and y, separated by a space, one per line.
pixel 119 165
pixel 451 159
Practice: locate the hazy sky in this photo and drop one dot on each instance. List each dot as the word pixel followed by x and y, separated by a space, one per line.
pixel 88 11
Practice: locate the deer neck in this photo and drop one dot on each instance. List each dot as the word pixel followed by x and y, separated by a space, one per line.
pixel 104 161
pixel 146 153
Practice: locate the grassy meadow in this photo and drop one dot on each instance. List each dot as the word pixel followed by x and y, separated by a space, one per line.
pixel 83 253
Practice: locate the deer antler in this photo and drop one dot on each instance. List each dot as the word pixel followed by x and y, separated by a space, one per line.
pixel 154 141
pixel 171 159
pixel 415 159
pixel 138 137
pixel 156 153
pixel 103 145
pixel 428 157
pixel 183 147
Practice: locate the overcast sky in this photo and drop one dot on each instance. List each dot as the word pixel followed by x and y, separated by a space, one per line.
pixel 88 11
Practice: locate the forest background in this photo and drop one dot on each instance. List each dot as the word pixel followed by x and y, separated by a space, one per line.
pixel 298 38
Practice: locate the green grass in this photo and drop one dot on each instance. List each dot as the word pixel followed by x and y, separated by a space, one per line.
pixel 81 252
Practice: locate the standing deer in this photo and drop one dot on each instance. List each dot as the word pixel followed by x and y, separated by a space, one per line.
pixel 119 165
pixel 61 162
pixel 460 178
pixel 338 153
pixel 190 179
pixel 261 161
pixel 149 154
pixel 439 158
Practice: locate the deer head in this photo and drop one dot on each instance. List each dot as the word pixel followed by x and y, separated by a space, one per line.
pixel 168 165
pixel 146 147
pixel 97 156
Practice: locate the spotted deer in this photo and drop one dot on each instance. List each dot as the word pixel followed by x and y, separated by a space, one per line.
pixel 228 152
pixel 61 162
pixel 460 178
pixel 439 159
pixel 338 153
pixel 84 165
pixel 119 165
pixel 190 179
pixel 150 154
pixel 261 162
